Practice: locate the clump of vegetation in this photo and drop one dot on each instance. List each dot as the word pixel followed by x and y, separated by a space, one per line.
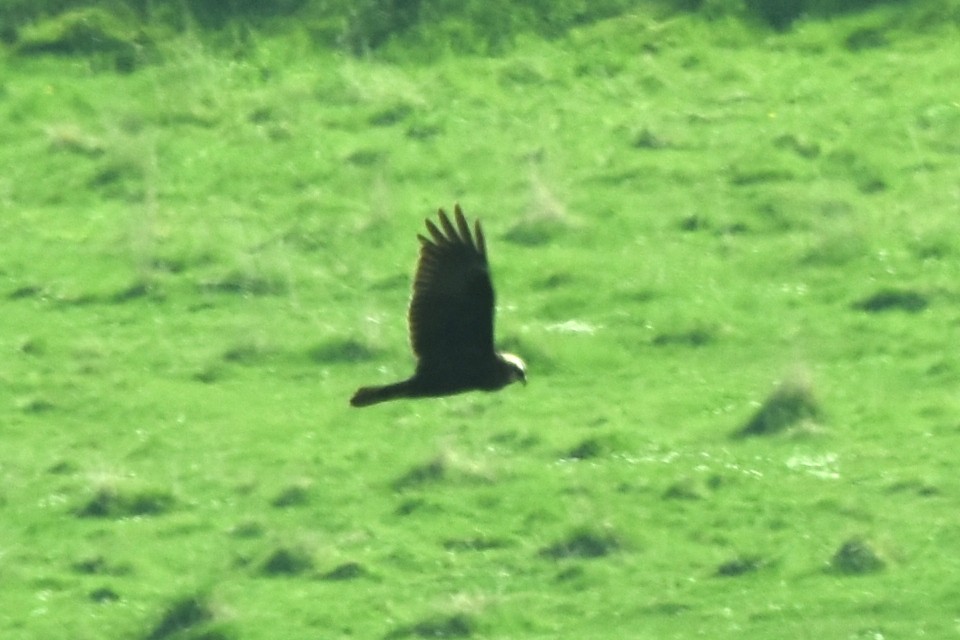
pixel 338 350
pixel 192 617
pixel 696 336
pixel 584 543
pixel 857 557
pixel 458 625
pixel 245 283
pixel 86 30
pixel 790 404
pixel 433 470
pixel 422 29
pixel 545 220
pixel 112 500
pixel 100 565
pixel 741 565
pixel 35 404
pixel 596 447
pixel 288 561
pixel 247 529
pixel 893 300
pixel 345 571
pixel 685 489
pixel 448 466
pixel 296 495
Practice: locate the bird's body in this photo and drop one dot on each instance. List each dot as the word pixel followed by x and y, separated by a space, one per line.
pixel 451 320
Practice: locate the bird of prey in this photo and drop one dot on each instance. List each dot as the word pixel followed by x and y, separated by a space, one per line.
pixel 451 320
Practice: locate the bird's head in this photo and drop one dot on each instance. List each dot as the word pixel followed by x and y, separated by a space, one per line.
pixel 515 368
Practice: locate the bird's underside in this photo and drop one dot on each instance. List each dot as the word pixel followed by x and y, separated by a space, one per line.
pixel 451 320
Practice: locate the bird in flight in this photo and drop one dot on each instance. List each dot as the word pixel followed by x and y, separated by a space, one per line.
pixel 451 320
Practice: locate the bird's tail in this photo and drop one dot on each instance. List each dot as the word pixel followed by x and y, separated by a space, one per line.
pixel 365 396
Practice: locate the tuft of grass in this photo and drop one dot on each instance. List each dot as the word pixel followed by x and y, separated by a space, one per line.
pixel 288 561
pixel 244 283
pixel 475 544
pixel 337 350
pixel 69 137
pixel 698 336
pixel 102 595
pixel 857 556
pixel 111 500
pixel 192 617
pixel 249 352
pixel 546 219
pixel 248 529
pixel 432 471
pixel 345 571
pixel 296 495
pixel 741 565
pixel 685 489
pixel 790 404
pixel 458 625
pixel 87 31
pixel 596 447
pixel 447 467
pixel 583 543
pixel 893 300
pixel 534 231
pixel 100 565
pixel 34 404
pixel 210 373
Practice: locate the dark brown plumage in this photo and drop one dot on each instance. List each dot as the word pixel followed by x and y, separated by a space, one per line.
pixel 451 320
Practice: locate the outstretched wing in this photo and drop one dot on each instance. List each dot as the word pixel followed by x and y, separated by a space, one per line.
pixel 451 312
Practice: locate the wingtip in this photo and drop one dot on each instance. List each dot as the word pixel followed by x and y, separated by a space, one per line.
pixel 438 236
pixel 481 241
pixel 449 230
pixel 462 225
pixel 456 231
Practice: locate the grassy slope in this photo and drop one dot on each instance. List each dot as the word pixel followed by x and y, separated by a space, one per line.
pixel 201 261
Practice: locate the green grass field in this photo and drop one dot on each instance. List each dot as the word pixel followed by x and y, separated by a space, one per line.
pixel 730 257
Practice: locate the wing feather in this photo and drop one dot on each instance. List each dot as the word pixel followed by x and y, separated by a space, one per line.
pixel 462 225
pixel 438 236
pixel 481 243
pixel 448 229
pixel 452 308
